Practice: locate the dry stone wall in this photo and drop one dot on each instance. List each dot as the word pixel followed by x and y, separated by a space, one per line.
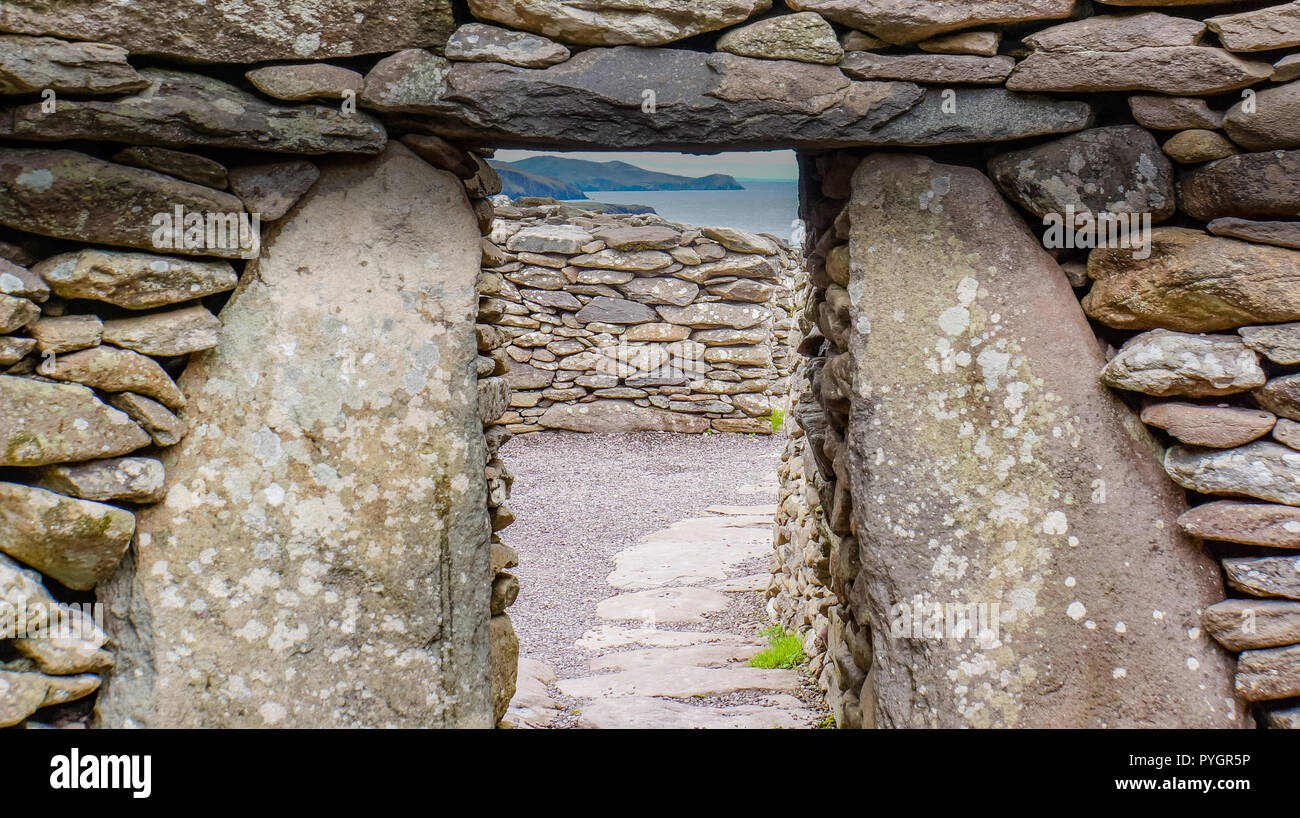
pixel 954 450
pixel 630 323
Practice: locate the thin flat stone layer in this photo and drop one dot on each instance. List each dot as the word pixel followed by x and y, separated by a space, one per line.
pixel 906 21
pixel 1193 282
pixel 1264 576
pixel 33 64
pixel 181 110
pixel 238 32
pixel 1263 469
pixel 351 480
pixel 993 506
pixel 69 195
pixel 38 424
pixel 1248 185
pixel 633 22
pixel 1250 523
pixel 1245 624
pixel 1220 427
pixel 1189 70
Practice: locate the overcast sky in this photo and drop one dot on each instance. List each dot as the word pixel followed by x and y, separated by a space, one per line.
pixel 750 165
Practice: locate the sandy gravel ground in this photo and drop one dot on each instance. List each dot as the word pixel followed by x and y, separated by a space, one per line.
pixel 579 499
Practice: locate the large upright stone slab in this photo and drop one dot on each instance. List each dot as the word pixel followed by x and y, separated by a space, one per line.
pixel 989 467
pixel 321 558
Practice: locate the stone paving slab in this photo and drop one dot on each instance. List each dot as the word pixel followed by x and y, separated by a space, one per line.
pixel 679 682
pixel 644 713
pixel 663 605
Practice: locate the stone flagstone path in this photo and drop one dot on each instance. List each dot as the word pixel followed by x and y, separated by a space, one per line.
pixel 675 634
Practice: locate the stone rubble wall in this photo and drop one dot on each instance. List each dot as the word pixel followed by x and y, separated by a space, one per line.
pixel 608 323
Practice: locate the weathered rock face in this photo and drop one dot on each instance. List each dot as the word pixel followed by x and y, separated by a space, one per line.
pixel 1193 282
pixel 137 281
pixel 1161 362
pixel 77 542
pixel 181 110
pixel 475 42
pixel 1114 32
pixel 1266 470
pixel 1282 234
pixel 1119 169
pixel 618 416
pixel 906 21
pixel 38 424
pixel 32 64
pixel 805 37
pixel 1273 120
pixel 628 22
pixel 270 30
pixel 1045 498
pixel 1260 30
pixel 933 68
pixel 350 492
pixel 1248 185
pixel 1249 523
pixel 1172 70
pixel 1221 427
pixel 70 195
pixel 721 99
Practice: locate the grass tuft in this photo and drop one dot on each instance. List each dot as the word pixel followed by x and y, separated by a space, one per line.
pixel 778 419
pixel 785 650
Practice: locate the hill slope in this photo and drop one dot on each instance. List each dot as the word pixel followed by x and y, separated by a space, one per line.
pixel 516 182
pixel 588 175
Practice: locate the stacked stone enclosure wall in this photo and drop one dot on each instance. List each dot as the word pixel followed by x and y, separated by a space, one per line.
pixel 630 323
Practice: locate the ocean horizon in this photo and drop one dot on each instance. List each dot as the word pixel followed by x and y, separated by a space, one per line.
pixel 764 206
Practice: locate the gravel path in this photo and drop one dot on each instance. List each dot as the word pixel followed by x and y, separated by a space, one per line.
pixel 579 499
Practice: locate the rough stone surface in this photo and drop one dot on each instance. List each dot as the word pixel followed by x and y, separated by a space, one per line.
pixel 721 100
pixel 308 81
pixel 272 188
pixel 1113 32
pixel 805 37
pixel 906 21
pixel 1248 185
pixel 67 333
pixel 1197 146
pixel 1273 120
pixel 270 30
pixel 1163 363
pixel 182 110
pixel 475 42
pixel 615 311
pixel 33 64
pixel 1189 70
pixel 410 80
pixel 1218 427
pixel 137 281
pixel 980 43
pixel 631 22
pixel 188 166
pixel 70 195
pixel 116 370
pixel 1264 576
pixel 1281 396
pixel 1173 113
pixel 1027 499
pixel 663 605
pixel 1118 169
pixel 77 542
pixel 165 428
pixel 933 68
pixel 38 424
pixel 1281 234
pixel 1273 673
pixel 1249 523
pixel 1259 30
pixel 1263 469
pixel 1193 282
pixel 618 416
pixel 177 332
pixel 1243 624
pixel 1280 343
pixel 133 479
pixel 352 479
